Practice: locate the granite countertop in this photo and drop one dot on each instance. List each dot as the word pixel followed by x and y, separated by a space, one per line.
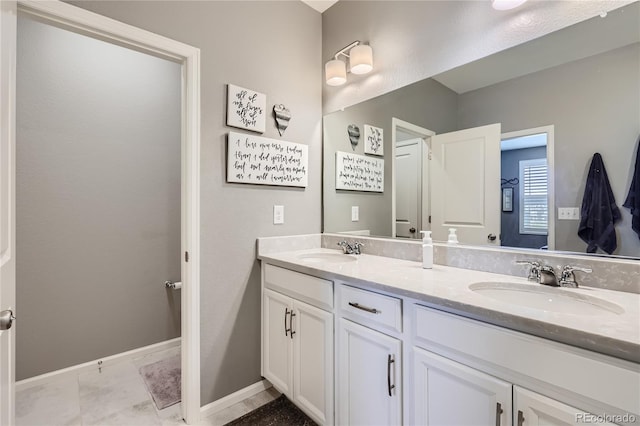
pixel 447 288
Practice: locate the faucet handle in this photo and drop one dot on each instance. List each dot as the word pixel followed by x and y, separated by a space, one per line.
pixel 357 245
pixel 345 246
pixel 534 272
pixel 568 279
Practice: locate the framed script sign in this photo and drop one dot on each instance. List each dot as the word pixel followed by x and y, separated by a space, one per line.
pixel 359 173
pixel 246 109
pixel 264 161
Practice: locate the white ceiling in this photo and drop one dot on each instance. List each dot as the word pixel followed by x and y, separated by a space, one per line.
pixel 320 5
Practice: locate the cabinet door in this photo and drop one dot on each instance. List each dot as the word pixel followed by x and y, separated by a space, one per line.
pixel 369 377
pixel 533 409
pixel 277 355
pixel 449 393
pixel 313 361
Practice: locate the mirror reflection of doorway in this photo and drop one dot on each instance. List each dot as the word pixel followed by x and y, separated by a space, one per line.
pixel 527 204
pixel 410 179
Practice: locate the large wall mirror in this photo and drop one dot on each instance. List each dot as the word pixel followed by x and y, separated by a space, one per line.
pixel 499 148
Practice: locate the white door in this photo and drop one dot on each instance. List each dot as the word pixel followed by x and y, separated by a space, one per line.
pixel 313 361
pixel 533 409
pixel 465 185
pixel 408 183
pixel 369 385
pixel 276 320
pixel 449 393
pixel 7 213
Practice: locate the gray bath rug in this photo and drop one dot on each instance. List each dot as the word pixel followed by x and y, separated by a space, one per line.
pixel 279 412
pixel 162 379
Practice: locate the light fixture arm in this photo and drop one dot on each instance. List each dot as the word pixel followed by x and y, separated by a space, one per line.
pixel 346 48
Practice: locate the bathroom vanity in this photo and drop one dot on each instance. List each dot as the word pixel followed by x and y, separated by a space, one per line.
pixel 380 341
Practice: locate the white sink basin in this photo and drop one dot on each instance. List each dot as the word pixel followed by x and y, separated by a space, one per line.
pixel 546 298
pixel 327 258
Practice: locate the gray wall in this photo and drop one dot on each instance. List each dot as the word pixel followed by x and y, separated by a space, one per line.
pixel 98 190
pixel 594 105
pixel 510 235
pixel 427 104
pixel 272 47
pixel 413 40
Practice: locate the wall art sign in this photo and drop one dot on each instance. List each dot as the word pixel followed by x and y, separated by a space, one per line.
pixel 373 140
pixel 264 161
pixel 359 173
pixel 246 109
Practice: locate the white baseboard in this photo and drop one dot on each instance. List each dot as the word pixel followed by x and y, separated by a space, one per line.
pixel 234 398
pixel 93 365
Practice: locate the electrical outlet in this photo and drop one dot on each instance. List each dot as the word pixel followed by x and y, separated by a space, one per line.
pixel 278 215
pixel 355 213
pixel 568 213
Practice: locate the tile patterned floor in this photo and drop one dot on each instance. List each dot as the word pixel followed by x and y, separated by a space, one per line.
pixel 116 396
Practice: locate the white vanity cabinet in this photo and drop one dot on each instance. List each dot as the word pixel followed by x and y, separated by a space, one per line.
pixel 297 340
pixel 449 387
pixel 369 370
pixel 449 393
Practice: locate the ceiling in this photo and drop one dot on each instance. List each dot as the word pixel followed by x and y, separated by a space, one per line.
pixel 320 5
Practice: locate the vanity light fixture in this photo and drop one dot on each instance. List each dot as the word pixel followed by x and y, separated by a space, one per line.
pixel 360 62
pixel 506 4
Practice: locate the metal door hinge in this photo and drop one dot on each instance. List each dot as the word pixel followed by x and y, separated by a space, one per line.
pixel 186 256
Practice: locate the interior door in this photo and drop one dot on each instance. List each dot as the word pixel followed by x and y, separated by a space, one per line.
pixel 408 188
pixel 465 185
pixel 7 210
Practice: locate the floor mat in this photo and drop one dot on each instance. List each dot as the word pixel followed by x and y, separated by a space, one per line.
pixel 279 412
pixel 163 380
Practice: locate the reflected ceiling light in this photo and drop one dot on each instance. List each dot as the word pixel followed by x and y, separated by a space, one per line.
pixel 506 4
pixel 360 62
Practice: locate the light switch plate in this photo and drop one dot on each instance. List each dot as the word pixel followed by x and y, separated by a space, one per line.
pixel 278 215
pixel 568 213
pixel 355 213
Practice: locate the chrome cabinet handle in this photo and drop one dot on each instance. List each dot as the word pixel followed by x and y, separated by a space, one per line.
pixel 365 308
pixel 291 315
pixel 286 330
pixel 390 361
pixel 520 418
pixel 499 412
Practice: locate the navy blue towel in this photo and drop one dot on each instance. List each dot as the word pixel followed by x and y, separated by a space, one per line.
pixel 599 212
pixel 633 198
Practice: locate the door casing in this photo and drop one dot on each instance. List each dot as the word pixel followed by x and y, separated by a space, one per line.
pixel 88 23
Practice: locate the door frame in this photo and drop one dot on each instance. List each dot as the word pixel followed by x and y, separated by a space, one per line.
pixel 551 205
pixel 88 23
pixel 419 132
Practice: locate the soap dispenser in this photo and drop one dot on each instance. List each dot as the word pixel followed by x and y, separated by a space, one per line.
pixel 427 250
pixel 453 238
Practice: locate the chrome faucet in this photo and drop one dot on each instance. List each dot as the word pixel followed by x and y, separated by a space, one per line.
pixel 351 248
pixel 546 274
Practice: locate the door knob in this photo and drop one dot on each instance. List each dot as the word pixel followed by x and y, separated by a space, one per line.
pixel 491 237
pixel 6 320
pixel 412 230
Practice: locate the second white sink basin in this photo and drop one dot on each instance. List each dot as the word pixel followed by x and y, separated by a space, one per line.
pixel 546 298
pixel 322 257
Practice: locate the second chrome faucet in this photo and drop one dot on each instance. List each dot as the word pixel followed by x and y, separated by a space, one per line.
pixel 546 275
